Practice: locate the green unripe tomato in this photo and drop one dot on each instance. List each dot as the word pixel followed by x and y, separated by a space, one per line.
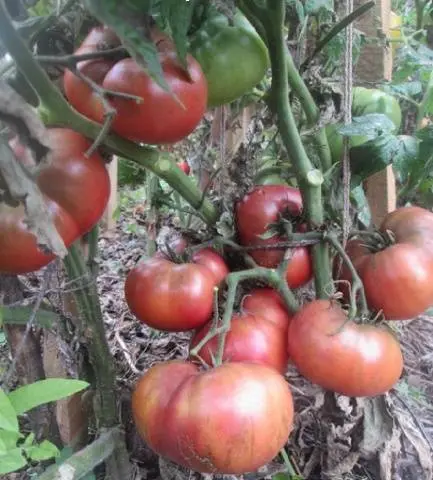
pixel 372 100
pixel 234 59
pixel 335 141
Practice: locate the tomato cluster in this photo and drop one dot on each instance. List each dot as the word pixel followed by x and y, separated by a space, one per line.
pixel 67 179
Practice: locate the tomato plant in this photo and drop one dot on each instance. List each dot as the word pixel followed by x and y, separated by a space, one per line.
pixel 171 118
pixel 263 207
pixel 234 58
pixel 267 302
pixel 76 189
pixel 340 355
pixel 231 419
pixel 251 338
pixel 397 275
pixel 169 296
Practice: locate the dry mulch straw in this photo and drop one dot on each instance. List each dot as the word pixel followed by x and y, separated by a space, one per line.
pixel 335 437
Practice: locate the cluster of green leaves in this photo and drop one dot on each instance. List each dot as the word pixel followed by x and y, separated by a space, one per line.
pixel 16 448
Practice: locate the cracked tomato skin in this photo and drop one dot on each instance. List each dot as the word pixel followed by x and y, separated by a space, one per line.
pixel 76 191
pixel 169 296
pixel 356 360
pixel 398 280
pixel 259 209
pixel 231 419
pixel 251 338
pixel 160 118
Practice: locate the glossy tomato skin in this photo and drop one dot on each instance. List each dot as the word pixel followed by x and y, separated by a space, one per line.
pixel 260 208
pixel 79 94
pixel 76 191
pixel 267 302
pixel 398 279
pixel 340 355
pixel 251 338
pixel 213 261
pixel 169 296
pixel 234 59
pixel 231 419
pixel 159 118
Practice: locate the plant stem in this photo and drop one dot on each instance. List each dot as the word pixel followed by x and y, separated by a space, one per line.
pixel 357 286
pixel 290 469
pixel 419 7
pixel 309 178
pixel 425 102
pixel 92 240
pixel 55 110
pixel 298 86
pixel 270 276
pixel 84 461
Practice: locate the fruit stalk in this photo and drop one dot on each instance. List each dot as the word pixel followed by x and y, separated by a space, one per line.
pixel 309 178
pixel 54 109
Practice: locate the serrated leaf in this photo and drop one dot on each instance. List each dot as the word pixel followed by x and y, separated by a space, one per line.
pixel 8 415
pixel 12 461
pixel 130 20
pixel 21 315
pixel 314 6
pixel 373 156
pixel 372 125
pixel 408 89
pixel 43 451
pixel 38 393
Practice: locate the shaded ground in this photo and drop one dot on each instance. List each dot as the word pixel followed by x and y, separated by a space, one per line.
pixel 334 437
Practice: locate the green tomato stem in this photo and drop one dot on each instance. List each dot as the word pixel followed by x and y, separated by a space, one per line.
pixel 272 277
pixel 290 469
pixel 55 110
pixel 357 285
pixel 309 178
pixel 92 240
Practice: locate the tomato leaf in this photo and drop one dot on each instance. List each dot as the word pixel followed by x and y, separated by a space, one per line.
pixel 360 202
pixel 43 451
pixel 371 124
pixel 408 89
pixel 375 155
pixel 38 393
pixel 130 19
pixel 8 415
pixel 406 162
pixel 21 315
pixel 12 461
pixel 8 440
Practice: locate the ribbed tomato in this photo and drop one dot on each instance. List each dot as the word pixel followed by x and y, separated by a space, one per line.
pixel 267 302
pixel 76 189
pixel 398 278
pixel 251 338
pixel 232 419
pixel 256 212
pixel 340 355
pixel 161 117
pixel 169 296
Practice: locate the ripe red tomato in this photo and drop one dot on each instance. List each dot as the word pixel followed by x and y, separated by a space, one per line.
pixel 266 302
pixel 183 165
pixel 251 338
pixel 169 296
pixel 207 257
pixel 256 212
pixel 352 359
pixel 232 419
pixel 76 189
pixel 399 278
pixel 160 118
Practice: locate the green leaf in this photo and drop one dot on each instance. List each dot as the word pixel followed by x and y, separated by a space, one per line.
pixel 406 161
pixel 313 7
pixel 8 440
pixel 21 315
pixel 44 451
pixel 64 455
pixel 38 393
pixel 12 461
pixel 8 415
pixel 360 201
pixel 408 89
pixel 130 20
pixel 372 125
pixel 375 155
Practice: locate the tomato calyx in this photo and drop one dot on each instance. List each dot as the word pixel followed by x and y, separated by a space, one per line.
pixel 376 241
